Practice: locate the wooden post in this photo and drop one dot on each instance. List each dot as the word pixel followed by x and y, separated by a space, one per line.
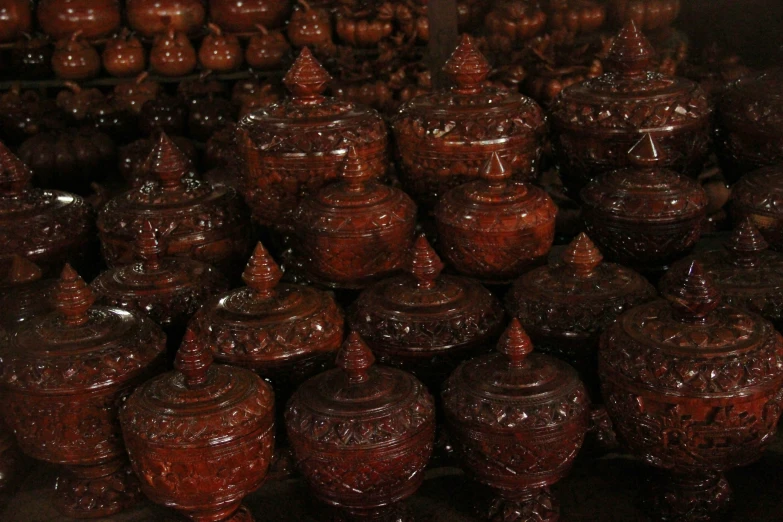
pixel 443 37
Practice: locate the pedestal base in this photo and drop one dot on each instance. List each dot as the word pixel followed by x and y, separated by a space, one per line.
pixel 96 491
pixel 242 515
pixel 11 461
pixel 528 506
pixel 688 498
pixel 391 513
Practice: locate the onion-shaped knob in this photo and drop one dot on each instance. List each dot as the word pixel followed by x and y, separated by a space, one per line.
pixel 73 297
pixel 355 358
pixel 515 344
pixel 262 273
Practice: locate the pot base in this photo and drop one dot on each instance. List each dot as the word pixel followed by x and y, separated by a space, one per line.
pixel 536 505
pixel 391 513
pixel 96 491
pixel 688 498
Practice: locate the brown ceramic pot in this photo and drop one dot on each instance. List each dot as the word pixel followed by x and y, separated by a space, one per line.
pixel 424 322
pixel 93 18
pixel 495 229
pixel 749 133
pixel 151 17
pixel 15 19
pixel 220 52
pixel 24 294
pixel 131 95
pixel 648 15
pixel 310 26
pixel 172 54
pixel 46 227
pixel 197 220
pixel 201 438
pixel 745 272
pixel 362 434
pixel 124 55
pixel 758 196
pixel 87 360
pixel 75 59
pixel 565 306
pixel 242 16
pixel 285 333
pixel 291 149
pixel 267 49
pixel 597 121
pixel 575 16
pixel 444 138
pixel 644 216
pixel 517 420
pixel 354 232
pixel 694 389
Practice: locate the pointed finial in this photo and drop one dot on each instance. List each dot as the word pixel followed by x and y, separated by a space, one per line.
pixel 515 344
pixel 73 297
pixel 193 360
pixel 355 172
pixel 425 265
pixel 495 171
pixel 355 358
pixel 692 293
pixel 147 247
pixel 306 80
pixel 631 52
pixel 14 174
pixel 645 153
pixel 746 243
pixel 467 67
pixel 23 271
pixel 582 256
pixel 167 162
pixel 262 273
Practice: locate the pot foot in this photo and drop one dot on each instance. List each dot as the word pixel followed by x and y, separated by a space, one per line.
pixel 96 491
pixel 530 506
pixel 242 515
pixel 392 513
pixel 689 498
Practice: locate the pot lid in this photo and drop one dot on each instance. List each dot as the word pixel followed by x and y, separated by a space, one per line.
pixel 199 403
pixel 646 190
pixel 630 95
pixel 578 293
pixel 356 204
pixel 470 110
pixel 424 308
pixel 515 375
pixel 495 202
pixel 689 343
pixel 760 191
pixel 155 275
pixel 360 403
pixel 755 100
pixel 79 347
pixel 268 319
pixel 309 122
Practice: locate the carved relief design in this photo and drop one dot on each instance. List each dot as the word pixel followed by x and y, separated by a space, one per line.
pixel 760 192
pixel 85 492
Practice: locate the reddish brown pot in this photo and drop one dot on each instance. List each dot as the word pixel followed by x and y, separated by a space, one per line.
pixel 644 216
pixel 338 424
pixel 749 132
pixel 132 95
pixel 15 19
pixel 75 102
pixel 94 18
pixel 208 115
pixel 364 25
pixel 285 333
pixel 444 138
pixel 74 59
pixel 152 17
pixel 31 58
pixel 46 227
pixel 513 21
pixel 538 420
pixel 124 55
pixel 495 229
pixel 694 389
pixel 424 322
pixel 565 306
pixel 163 114
pixel 267 49
pixel 172 54
pixel 69 159
pixel 354 232
pixel 90 358
pixel 25 294
pixel 745 272
pixel 167 289
pixel 201 437
pixel 597 121
pixel 648 15
pixel 26 113
pixel 291 149
pixel 242 16
pixel 309 26
pixel 197 220
pixel 757 196
pixel 220 52
pixel 575 16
